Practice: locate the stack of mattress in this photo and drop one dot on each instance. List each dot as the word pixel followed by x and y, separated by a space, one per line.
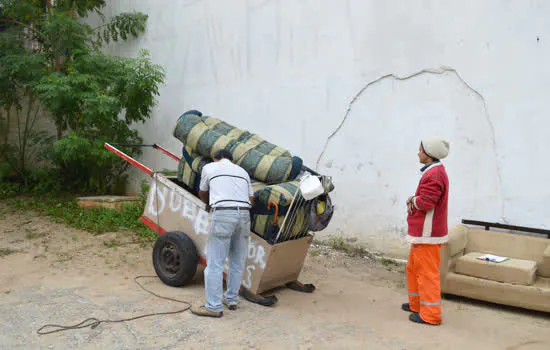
pixel 273 169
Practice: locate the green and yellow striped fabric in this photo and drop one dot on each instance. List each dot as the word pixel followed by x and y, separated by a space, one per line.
pixel 190 167
pixel 273 168
pixel 263 160
pixel 282 194
pixel 186 174
pixel 260 224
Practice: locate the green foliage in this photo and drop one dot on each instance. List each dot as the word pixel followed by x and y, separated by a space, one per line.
pixel 336 242
pixel 6 170
pixel 81 7
pixel 9 189
pixel 113 243
pixel 29 145
pixel 66 210
pixel 44 180
pixel 5 252
pixel 122 26
pixel 50 58
pixel 98 89
pixel 314 252
pixel 86 165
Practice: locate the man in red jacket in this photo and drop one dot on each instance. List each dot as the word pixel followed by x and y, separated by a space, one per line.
pixel 428 229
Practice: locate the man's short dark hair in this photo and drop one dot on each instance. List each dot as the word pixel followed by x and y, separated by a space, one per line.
pixel 223 154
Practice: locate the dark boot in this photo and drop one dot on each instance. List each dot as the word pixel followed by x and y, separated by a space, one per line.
pixel 417 319
pixel 406 307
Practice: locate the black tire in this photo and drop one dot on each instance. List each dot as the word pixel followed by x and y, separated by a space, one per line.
pixel 175 258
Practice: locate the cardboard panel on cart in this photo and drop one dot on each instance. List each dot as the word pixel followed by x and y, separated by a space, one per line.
pixel 259 257
pixel 174 209
pixel 285 263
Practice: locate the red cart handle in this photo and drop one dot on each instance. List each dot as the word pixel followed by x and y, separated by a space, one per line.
pixel 129 159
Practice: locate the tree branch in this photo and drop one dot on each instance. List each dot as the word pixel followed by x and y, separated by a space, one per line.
pixel 11 20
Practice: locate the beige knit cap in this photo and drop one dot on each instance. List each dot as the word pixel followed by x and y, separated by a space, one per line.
pixel 436 147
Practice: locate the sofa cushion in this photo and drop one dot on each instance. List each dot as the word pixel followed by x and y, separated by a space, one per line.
pixel 513 245
pixel 514 271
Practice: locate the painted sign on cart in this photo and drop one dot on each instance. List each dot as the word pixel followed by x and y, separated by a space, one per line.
pixel 174 209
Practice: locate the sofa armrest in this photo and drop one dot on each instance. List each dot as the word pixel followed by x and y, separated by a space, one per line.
pixel 544 268
pixel 458 238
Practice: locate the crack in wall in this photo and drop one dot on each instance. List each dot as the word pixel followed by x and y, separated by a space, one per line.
pixel 435 71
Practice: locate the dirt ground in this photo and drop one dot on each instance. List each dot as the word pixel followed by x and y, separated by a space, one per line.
pixel 61 275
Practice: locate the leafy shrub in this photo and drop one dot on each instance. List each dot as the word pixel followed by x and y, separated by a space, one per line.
pixel 54 64
pixel 87 166
pixel 8 189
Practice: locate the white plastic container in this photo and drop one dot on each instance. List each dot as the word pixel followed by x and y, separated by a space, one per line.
pixel 311 187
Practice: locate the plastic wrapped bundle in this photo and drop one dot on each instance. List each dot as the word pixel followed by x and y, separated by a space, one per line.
pixel 263 160
pixel 190 168
pixel 282 195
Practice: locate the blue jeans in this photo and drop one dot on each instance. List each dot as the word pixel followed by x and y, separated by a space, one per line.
pixel 228 237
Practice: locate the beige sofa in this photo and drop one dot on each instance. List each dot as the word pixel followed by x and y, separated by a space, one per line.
pixel 522 281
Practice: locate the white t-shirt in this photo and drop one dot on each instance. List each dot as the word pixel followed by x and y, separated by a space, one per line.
pixel 229 184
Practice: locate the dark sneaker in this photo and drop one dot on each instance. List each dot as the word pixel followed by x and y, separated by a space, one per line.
pixel 417 319
pixel 406 307
pixel 231 307
pixel 202 311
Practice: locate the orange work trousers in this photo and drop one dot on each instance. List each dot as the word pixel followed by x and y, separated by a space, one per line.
pixel 423 281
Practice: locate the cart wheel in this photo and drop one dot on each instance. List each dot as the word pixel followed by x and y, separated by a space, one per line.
pixel 175 258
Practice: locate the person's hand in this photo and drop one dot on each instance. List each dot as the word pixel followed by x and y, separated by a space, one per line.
pixel 410 208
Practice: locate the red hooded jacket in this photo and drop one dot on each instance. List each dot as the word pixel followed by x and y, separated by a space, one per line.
pixel 428 223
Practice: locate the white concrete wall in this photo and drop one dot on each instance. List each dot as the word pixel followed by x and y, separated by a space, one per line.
pixel 351 86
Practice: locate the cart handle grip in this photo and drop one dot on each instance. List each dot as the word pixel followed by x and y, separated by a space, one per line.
pixel 276 211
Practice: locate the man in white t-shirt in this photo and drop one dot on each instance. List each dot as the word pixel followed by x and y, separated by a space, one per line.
pixel 227 189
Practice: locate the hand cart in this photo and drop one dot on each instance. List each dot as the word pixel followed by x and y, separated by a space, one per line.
pixel 183 223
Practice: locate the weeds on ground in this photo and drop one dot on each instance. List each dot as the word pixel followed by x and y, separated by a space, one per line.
pixel 6 251
pixel 99 220
pixel 8 190
pixel 32 235
pixel 63 208
pixel 388 262
pixel 113 243
pixel 336 242
pixel 314 252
